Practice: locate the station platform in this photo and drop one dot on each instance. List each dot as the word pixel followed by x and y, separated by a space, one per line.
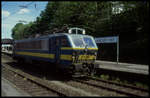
pixel 9 89
pixel 124 67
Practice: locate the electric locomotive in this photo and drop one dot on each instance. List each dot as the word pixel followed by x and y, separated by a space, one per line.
pixel 71 52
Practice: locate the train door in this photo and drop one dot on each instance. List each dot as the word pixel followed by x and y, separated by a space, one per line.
pixel 56 48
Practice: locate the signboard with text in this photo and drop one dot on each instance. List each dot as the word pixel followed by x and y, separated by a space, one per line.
pixel 106 39
pixel 113 39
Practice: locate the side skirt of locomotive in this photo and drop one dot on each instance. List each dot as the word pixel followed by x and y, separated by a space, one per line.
pixel 80 69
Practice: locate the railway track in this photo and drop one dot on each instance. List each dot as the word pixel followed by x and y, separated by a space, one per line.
pixel 114 86
pixel 36 87
pixel 88 86
pixel 119 84
pixel 41 86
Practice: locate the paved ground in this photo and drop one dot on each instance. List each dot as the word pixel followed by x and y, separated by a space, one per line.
pixel 134 68
pixel 9 89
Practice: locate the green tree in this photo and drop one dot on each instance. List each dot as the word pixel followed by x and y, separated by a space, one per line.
pixel 17 31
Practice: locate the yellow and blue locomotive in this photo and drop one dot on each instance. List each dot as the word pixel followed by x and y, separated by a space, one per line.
pixel 72 52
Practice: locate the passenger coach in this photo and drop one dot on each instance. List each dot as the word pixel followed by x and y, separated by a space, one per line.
pixel 71 51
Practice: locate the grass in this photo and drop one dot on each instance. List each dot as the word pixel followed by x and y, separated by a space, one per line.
pixel 105 77
pixel 141 85
pixel 118 80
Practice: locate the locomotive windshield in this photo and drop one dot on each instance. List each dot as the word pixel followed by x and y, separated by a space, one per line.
pixel 88 41
pixel 82 41
pixel 78 42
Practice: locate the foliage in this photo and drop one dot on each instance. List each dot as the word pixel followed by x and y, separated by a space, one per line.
pixel 105 77
pixel 17 31
pixel 131 24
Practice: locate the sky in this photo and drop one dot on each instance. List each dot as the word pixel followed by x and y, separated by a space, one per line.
pixel 12 12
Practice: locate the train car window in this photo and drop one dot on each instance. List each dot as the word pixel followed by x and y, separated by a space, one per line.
pixel 57 41
pixel 21 45
pixel 24 45
pixel 35 45
pixel 44 44
pixel 40 45
pixel 18 45
pixel 27 45
pixel 64 42
pixel 53 44
pixel 50 44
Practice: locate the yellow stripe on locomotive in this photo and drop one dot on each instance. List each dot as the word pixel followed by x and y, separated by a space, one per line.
pixel 62 56
pixel 44 55
pixel 71 48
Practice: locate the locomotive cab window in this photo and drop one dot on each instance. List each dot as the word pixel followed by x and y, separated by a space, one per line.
pixel 78 41
pixel 88 41
pixel 82 41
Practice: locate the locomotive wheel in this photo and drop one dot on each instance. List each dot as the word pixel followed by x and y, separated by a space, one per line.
pixel 20 61
pixel 92 70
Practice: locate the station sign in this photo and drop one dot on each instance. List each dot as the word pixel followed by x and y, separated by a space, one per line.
pixel 113 39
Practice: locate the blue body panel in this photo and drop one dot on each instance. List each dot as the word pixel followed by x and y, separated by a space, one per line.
pixel 54 47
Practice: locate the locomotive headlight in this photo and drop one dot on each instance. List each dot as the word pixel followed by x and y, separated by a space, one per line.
pixel 73 56
pixel 95 53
